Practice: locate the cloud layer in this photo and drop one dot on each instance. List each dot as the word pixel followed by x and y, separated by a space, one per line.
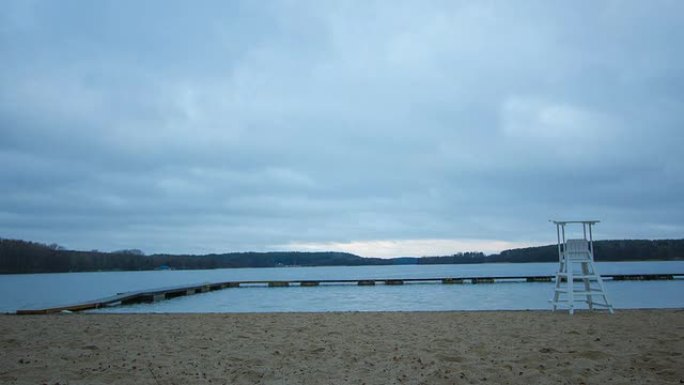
pixel 220 126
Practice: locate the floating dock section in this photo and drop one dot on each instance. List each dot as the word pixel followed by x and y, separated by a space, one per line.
pixel 159 294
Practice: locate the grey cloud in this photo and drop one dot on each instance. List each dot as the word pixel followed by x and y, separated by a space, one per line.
pixel 170 126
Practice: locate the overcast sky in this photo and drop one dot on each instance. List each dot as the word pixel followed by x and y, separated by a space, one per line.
pixel 383 128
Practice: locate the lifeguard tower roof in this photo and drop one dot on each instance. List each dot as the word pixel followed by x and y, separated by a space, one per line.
pixel 588 222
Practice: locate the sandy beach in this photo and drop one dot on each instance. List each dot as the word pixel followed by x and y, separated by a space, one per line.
pixel 629 347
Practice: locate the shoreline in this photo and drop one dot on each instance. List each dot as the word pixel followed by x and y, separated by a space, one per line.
pixel 431 347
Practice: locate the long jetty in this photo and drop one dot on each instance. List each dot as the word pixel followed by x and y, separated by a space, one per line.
pixel 159 294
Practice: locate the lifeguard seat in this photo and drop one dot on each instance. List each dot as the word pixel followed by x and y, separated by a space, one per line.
pixel 576 263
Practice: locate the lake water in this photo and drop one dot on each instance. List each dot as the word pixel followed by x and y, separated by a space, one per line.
pixel 44 290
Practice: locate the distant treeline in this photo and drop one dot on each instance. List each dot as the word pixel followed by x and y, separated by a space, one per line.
pixel 17 256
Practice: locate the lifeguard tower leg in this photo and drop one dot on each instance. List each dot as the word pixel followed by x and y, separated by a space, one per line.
pixel 587 284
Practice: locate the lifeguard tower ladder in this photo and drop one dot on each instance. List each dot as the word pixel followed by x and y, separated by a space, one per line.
pixel 576 257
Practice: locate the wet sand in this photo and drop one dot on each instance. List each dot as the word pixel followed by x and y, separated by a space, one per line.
pixel 534 347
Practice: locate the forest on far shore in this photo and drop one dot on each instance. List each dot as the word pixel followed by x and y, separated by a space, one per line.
pixel 18 256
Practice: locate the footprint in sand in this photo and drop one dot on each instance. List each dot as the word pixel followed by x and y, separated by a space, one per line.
pixel 442 357
pixel 593 355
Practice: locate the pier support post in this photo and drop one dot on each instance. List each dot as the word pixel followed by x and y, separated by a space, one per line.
pixel 158 297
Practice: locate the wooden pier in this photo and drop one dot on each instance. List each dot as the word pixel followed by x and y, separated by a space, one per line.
pixel 159 294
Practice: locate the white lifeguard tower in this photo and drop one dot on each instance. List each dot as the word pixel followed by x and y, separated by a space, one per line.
pixel 576 258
